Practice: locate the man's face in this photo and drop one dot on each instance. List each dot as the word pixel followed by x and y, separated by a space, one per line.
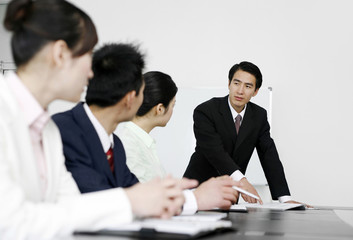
pixel 241 89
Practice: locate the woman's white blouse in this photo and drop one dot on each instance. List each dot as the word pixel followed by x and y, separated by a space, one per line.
pixel 141 152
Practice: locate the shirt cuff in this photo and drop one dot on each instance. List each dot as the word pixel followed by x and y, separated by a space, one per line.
pixel 190 205
pixel 284 199
pixel 237 175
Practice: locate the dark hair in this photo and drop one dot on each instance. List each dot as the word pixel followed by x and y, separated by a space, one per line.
pixel 117 70
pixel 159 88
pixel 247 67
pixel 35 23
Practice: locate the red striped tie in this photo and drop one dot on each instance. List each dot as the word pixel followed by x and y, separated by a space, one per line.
pixel 110 159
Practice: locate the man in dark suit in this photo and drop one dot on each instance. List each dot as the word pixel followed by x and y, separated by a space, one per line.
pixel 87 129
pixel 84 153
pixel 221 148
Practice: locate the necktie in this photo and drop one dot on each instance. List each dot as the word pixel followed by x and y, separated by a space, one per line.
pixel 237 123
pixel 110 159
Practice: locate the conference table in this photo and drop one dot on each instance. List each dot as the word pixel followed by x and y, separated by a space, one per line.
pixel 320 223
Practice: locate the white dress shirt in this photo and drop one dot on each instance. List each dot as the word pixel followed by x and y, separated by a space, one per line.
pixel 237 175
pixel 143 161
pixel 36 118
pixel 106 140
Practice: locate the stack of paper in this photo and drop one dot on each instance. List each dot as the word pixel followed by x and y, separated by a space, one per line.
pixel 180 227
pixel 272 206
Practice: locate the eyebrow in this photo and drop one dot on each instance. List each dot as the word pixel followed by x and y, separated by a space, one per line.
pixel 237 80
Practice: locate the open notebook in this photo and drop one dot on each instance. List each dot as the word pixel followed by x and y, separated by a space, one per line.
pixel 179 227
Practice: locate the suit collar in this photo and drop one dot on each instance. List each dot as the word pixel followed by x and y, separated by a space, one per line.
pixel 228 118
pixel 235 113
pixel 33 112
pixel 245 127
pixel 92 141
pixel 105 139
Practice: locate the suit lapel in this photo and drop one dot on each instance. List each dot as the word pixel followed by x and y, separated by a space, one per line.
pixel 93 142
pixel 119 156
pixel 245 127
pixel 228 118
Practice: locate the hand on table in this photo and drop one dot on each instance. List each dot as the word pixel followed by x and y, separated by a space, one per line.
pixel 250 188
pixel 216 193
pixel 295 202
pixel 159 197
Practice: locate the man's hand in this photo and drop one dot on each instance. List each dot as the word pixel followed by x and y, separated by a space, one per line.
pixel 216 193
pixel 250 188
pixel 159 197
pixel 186 183
pixel 295 202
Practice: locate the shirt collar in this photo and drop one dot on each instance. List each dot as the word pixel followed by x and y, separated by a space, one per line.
pixel 106 140
pixel 142 134
pixel 35 116
pixel 234 113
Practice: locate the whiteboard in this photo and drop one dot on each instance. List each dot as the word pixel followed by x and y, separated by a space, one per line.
pixel 176 141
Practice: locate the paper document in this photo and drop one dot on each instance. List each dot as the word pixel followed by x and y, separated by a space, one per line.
pixel 273 206
pixel 182 227
pixel 238 208
pixel 175 226
pixel 201 216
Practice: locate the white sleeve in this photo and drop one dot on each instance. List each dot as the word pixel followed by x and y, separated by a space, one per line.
pixel 237 175
pixel 190 205
pixel 284 199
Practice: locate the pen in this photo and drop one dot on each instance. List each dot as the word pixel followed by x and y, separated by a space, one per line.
pixel 246 192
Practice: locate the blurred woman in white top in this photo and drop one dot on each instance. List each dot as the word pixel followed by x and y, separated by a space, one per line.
pixel 52 42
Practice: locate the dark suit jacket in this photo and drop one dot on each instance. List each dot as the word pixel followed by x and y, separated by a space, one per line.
pixel 85 157
pixel 219 150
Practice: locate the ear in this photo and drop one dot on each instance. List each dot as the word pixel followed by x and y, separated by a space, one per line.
pixel 61 53
pixel 130 98
pixel 160 109
pixel 255 93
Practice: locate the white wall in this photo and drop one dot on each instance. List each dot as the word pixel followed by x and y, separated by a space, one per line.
pixel 304 49
pixel 5 49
